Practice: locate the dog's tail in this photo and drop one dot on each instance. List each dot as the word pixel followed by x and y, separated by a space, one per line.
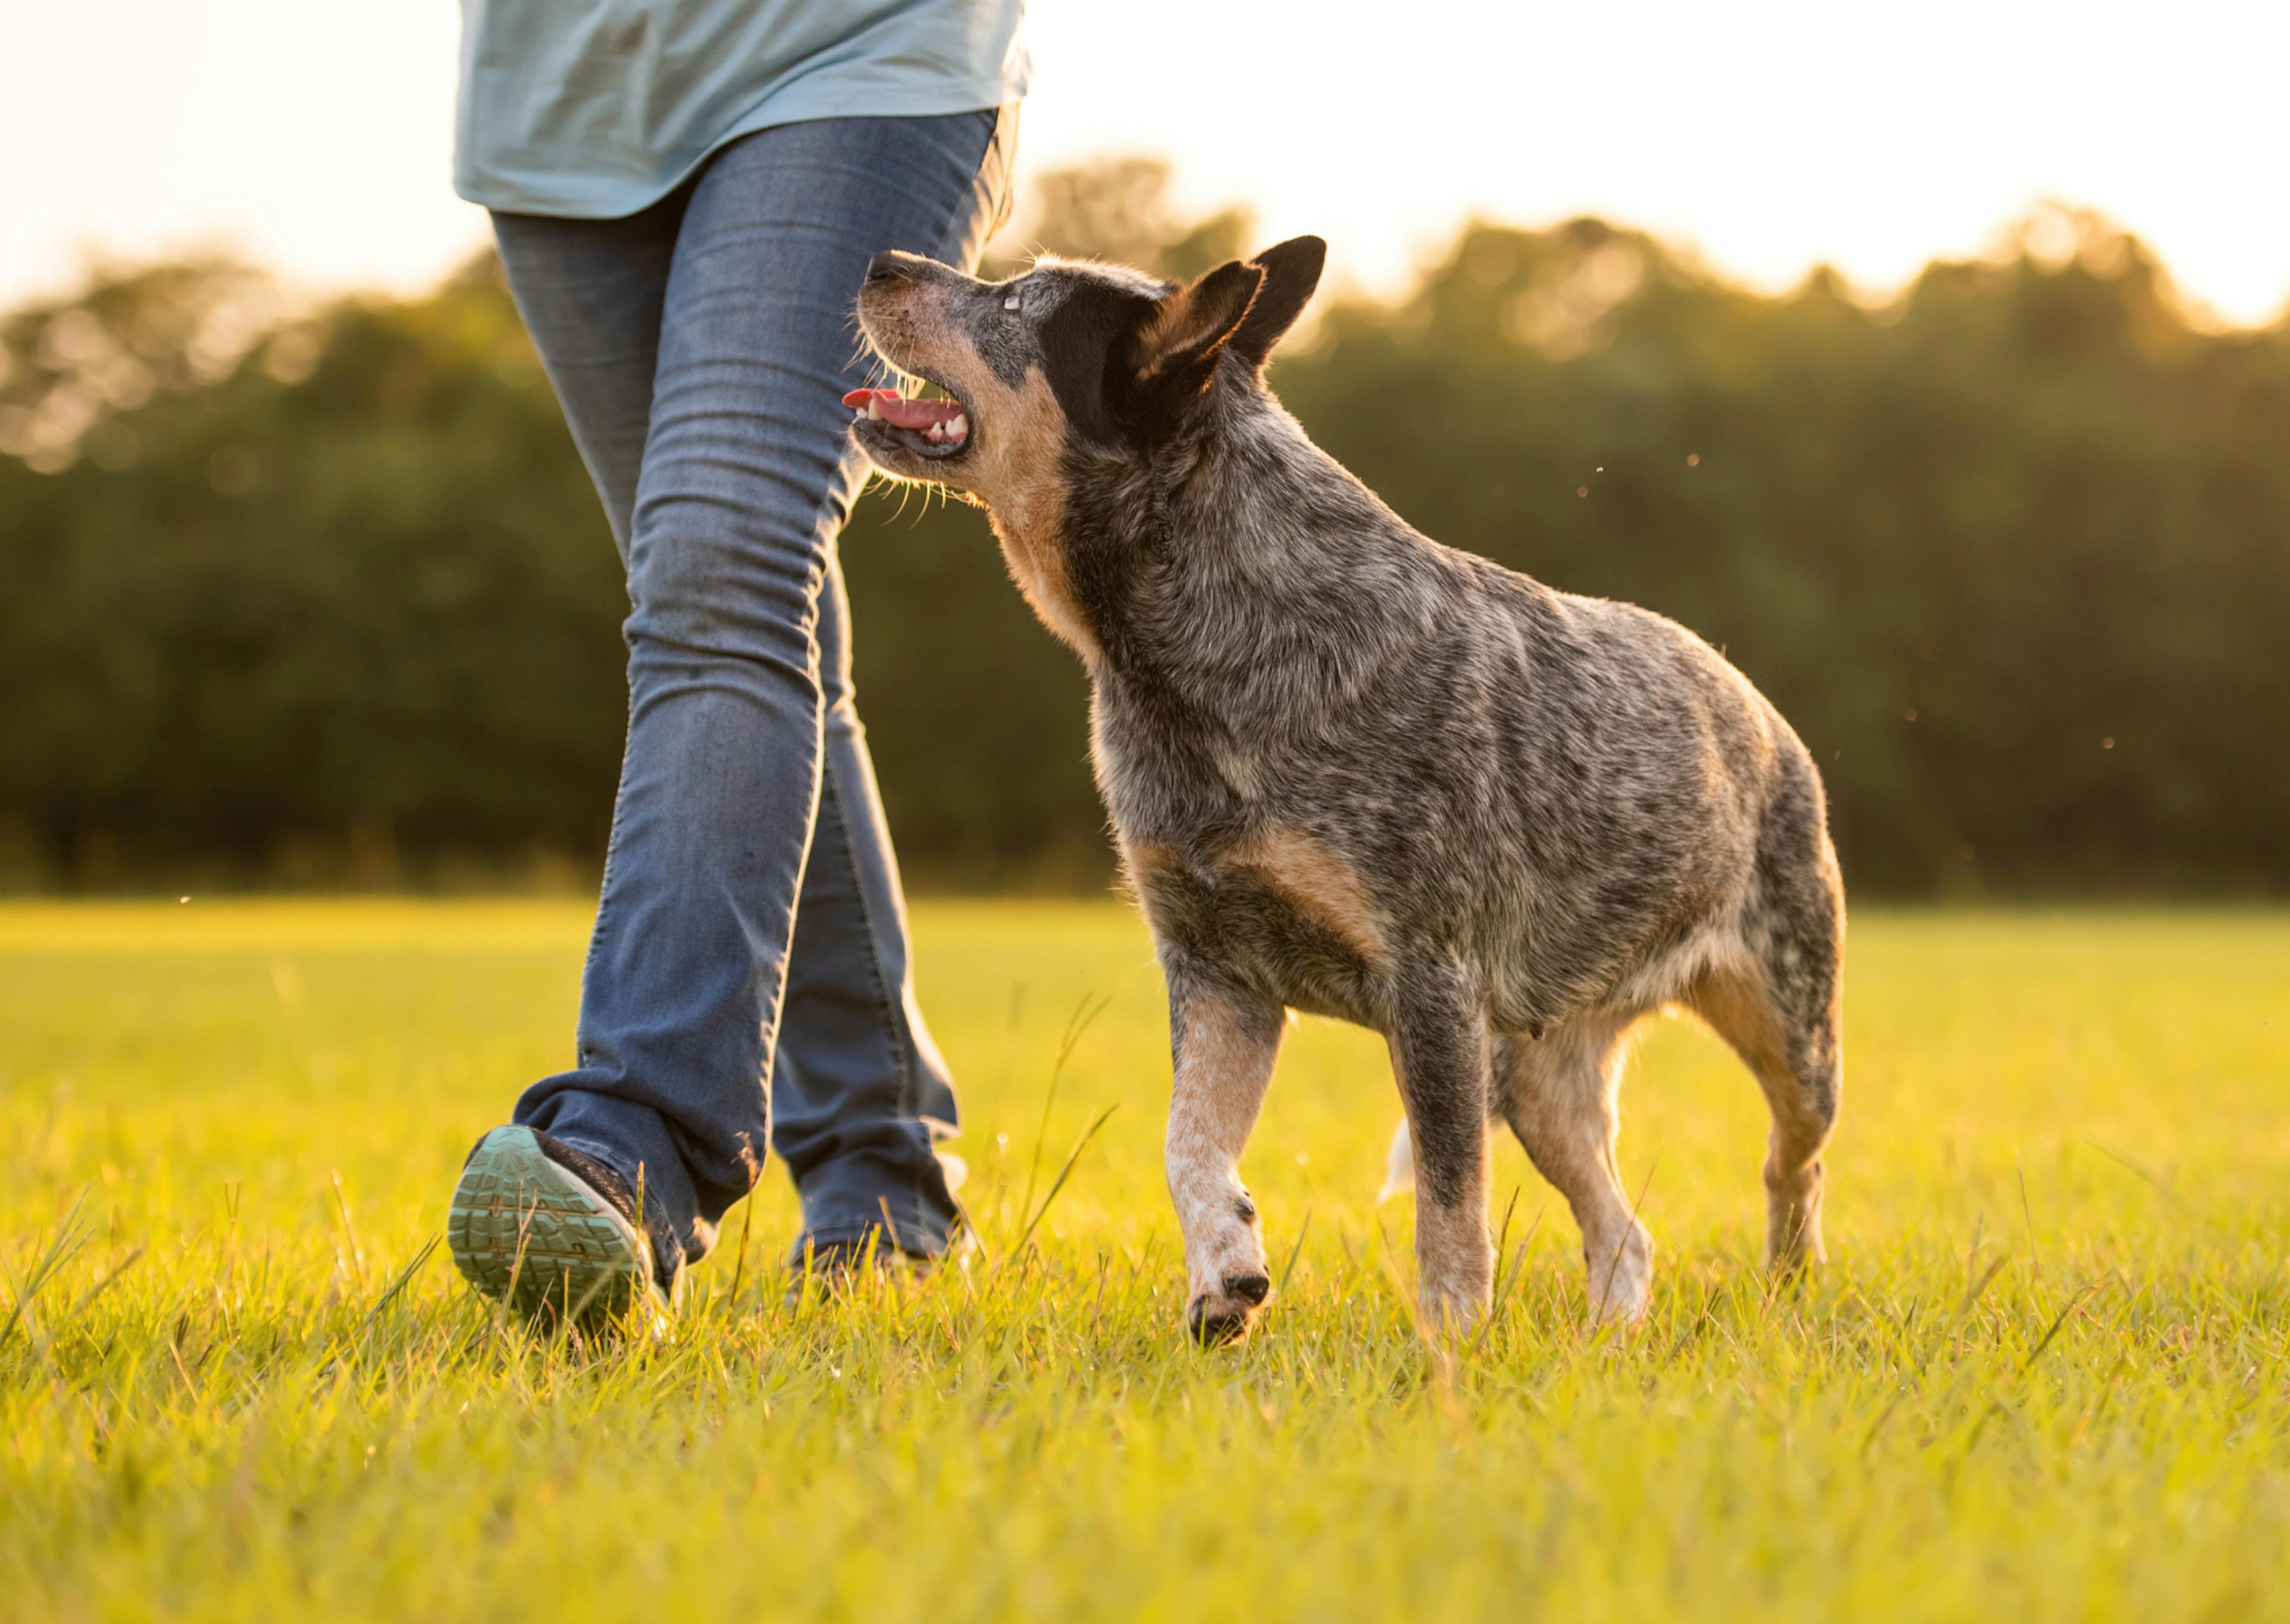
pixel 1398 1167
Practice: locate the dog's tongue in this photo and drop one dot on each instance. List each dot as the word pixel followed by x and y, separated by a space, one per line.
pixel 896 410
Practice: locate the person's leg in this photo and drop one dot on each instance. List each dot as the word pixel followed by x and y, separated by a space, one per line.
pixel 591 292
pixel 536 1221
pixel 747 474
pixel 858 1089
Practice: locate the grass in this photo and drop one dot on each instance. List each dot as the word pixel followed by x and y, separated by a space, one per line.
pixel 2044 1376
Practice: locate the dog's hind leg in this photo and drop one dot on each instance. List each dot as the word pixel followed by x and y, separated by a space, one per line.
pixel 1561 1095
pixel 1224 1044
pixel 1794 1055
pixel 1780 1005
pixel 1439 1054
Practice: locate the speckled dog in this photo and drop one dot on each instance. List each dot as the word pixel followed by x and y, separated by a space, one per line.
pixel 1356 773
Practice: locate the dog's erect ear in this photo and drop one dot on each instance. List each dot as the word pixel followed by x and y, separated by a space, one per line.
pixel 1177 347
pixel 1291 271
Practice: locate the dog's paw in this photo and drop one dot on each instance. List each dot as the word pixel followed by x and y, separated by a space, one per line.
pixel 1223 1315
pixel 1225 1266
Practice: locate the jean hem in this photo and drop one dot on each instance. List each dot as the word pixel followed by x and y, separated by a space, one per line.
pixel 915 1240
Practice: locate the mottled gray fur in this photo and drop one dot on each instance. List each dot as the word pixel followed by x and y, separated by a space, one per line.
pixel 1355 772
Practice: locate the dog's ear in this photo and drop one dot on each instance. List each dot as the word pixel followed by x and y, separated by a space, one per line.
pixel 1291 271
pixel 1178 344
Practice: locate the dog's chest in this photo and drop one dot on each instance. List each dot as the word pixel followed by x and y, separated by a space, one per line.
pixel 1225 876
pixel 1276 909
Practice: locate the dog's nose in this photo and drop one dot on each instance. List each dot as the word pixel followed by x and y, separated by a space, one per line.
pixel 891 266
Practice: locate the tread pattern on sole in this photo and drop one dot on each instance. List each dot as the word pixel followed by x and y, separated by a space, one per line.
pixel 530 1233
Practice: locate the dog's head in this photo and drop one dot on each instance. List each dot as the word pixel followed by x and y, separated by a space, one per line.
pixel 1067 357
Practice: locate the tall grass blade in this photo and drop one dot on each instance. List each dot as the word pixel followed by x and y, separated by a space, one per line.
pixel 72 1234
pixel 1064 1172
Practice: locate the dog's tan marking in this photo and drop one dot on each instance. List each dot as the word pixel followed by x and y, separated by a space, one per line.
pixel 1732 1000
pixel 1142 862
pixel 1319 883
pixel 1738 1004
pixel 1016 467
pixel 1022 476
pixel 1143 858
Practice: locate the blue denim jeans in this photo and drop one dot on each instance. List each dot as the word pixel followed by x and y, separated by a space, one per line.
pixel 751 927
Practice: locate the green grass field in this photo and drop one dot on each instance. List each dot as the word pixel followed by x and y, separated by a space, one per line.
pixel 2044 1375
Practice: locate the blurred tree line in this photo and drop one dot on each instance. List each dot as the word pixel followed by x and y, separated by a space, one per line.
pixel 324 597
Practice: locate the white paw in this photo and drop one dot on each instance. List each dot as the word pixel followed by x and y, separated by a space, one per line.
pixel 1230 1283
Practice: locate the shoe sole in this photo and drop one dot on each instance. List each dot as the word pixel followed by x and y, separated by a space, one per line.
pixel 536 1236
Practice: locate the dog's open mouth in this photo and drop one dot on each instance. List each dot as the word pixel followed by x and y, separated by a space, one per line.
pixel 926 428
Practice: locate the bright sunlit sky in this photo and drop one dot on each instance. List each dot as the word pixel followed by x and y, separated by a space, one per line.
pixel 315 135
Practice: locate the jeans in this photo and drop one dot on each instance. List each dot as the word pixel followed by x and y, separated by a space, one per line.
pixel 751 926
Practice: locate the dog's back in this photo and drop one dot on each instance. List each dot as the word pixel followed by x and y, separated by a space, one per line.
pixel 1572 792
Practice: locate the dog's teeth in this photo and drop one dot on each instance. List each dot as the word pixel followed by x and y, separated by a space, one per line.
pixel 873 410
pixel 957 427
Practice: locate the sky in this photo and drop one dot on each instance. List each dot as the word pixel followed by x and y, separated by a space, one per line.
pixel 1769 135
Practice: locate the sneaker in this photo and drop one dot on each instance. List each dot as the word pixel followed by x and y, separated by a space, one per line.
pixel 549 1230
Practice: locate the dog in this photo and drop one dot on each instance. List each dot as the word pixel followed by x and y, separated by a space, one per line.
pixel 1355 773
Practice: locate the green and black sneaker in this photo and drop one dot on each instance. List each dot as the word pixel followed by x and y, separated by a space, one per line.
pixel 552 1231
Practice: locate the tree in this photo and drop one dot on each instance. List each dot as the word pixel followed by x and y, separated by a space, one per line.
pixel 324 595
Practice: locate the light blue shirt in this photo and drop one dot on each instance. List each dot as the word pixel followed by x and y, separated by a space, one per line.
pixel 596 109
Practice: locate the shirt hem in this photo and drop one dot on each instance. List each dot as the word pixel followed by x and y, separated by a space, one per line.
pixel 575 197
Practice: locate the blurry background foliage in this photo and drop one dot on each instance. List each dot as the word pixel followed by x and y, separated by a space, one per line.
pixel 322 596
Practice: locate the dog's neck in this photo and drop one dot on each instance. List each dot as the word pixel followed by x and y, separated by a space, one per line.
pixel 1221 578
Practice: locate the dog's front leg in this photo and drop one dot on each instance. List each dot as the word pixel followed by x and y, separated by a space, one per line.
pixel 1224 1044
pixel 1440 1054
